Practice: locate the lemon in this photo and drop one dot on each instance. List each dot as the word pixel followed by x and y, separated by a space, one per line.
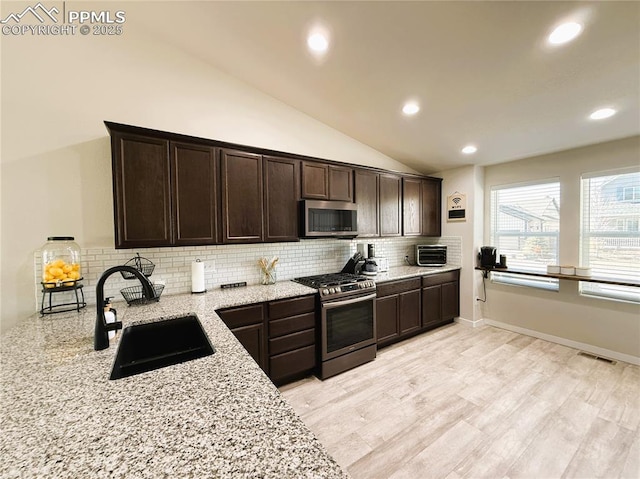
pixel 55 271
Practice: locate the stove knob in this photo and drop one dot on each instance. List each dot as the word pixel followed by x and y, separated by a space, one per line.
pixel 370 284
pixel 361 285
pixel 325 291
pixel 338 289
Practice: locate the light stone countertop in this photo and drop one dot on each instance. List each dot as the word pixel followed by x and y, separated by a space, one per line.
pixel 404 272
pixel 214 417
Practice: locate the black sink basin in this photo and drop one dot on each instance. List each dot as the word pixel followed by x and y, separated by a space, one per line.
pixel 149 346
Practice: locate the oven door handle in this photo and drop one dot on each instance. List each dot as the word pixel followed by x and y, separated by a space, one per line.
pixel 338 304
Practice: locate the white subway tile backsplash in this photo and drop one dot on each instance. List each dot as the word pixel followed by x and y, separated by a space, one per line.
pixel 232 263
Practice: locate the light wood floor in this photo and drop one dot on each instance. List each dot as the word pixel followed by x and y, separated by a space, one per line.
pixel 460 402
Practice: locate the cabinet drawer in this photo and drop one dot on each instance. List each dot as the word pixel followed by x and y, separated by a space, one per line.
pixel 292 341
pixel 291 307
pixel 242 316
pixel 440 278
pixel 395 287
pixel 280 327
pixel 291 363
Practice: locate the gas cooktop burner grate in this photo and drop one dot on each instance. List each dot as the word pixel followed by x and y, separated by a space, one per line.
pixel 330 279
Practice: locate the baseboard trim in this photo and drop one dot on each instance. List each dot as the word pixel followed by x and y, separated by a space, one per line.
pixel 602 352
pixel 469 322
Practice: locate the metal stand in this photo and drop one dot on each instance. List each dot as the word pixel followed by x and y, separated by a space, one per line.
pixel 63 307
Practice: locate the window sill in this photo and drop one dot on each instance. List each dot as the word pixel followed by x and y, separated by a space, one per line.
pixel 588 279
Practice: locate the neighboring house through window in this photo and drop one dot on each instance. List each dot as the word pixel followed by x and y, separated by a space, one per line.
pixel 525 226
pixel 610 232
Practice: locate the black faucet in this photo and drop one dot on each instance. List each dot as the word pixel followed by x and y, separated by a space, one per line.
pixel 101 334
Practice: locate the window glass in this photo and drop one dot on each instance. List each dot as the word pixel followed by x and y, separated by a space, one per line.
pixel 610 234
pixel 525 226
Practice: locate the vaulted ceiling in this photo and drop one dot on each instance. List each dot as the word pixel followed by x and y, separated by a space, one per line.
pixel 483 73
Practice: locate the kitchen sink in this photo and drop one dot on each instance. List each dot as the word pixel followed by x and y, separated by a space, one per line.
pixel 149 346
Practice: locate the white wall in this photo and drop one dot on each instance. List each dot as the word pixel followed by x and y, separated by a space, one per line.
pixel 468 180
pixel 608 325
pixel 56 167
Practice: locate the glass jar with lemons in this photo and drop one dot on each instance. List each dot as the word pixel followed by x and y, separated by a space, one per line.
pixel 60 262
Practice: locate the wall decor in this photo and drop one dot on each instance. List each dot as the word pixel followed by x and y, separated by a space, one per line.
pixel 456 207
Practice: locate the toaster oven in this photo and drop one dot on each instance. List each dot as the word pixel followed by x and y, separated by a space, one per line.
pixel 431 255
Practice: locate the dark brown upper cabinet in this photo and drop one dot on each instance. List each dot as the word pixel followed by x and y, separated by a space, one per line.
pixel 171 189
pixel 242 199
pixel 195 205
pixel 367 192
pixel 390 205
pixel 341 183
pixel 322 181
pixel 315 181
pixel 281 193
pixel 141 190
pixel 431 207
pixel 411 206
pixel 259 197
pixel 379 200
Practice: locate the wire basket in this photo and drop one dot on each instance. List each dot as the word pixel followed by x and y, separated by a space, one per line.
pixel 140 263
pixel 135 294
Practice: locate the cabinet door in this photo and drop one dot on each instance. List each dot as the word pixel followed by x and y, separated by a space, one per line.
pixel 387 319
pixel 411 207
pixel 315 181
pixel 431 305
pixel 450 300
pixel 390 205
pixel 409 312
pixel 253 339
pixel 195 205
pixel 281 199
pixel 241 184
pixel 366 196
pixel 340 183
pixel 142 191
pixel 291 365
pixel 431 207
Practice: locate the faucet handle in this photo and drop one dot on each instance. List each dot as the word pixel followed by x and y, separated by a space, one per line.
pixel 115 326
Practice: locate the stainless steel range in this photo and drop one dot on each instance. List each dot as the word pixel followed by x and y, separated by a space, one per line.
pixel 347 321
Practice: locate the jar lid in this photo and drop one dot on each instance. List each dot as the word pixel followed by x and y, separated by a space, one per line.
pixel 60 238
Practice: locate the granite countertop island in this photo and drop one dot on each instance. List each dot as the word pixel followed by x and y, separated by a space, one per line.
pixel 214 417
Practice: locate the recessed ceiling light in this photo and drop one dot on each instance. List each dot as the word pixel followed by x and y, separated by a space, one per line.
pixel 469 150
pixel 410 108
pixel 565 33
pixel 317 42
pixel 602 113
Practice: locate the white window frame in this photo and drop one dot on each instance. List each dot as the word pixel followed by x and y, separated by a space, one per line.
pixel 623 232
pixel 549 284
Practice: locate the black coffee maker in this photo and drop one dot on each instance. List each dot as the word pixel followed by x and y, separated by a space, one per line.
pixel 487 257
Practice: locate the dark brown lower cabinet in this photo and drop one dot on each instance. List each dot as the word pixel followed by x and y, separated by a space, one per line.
pixel 409 306
pixel 247 324
pixel 280 335
pixel 440 298
pixel 292 338
pixel 397 310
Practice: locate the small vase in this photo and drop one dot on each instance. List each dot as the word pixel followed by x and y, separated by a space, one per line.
pixel 268 277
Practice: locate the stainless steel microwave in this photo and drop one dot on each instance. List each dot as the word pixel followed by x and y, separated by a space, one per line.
pixel 431 255
pixel 328 219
